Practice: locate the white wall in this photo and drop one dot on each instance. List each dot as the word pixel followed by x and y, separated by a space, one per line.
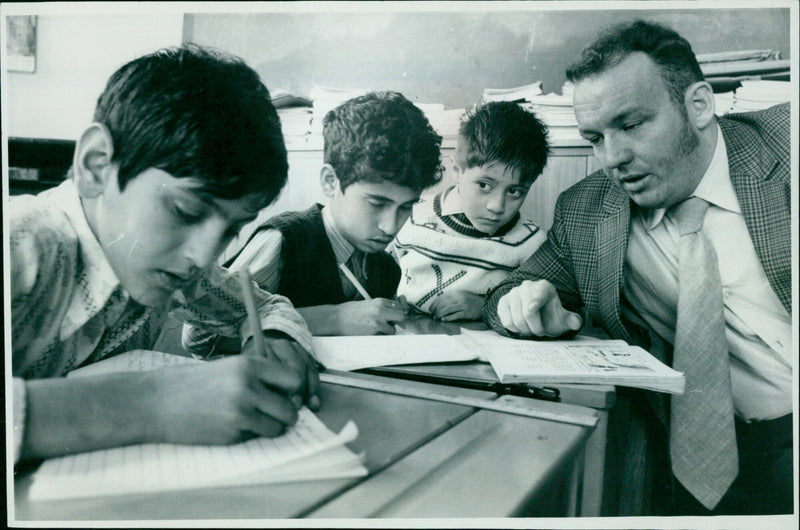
pixel 75 55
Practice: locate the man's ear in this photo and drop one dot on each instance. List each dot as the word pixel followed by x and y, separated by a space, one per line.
pixel 700 106
pixel 91 165
pixel 328 180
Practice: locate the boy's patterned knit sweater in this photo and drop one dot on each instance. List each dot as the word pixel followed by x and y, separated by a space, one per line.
pixel 439 252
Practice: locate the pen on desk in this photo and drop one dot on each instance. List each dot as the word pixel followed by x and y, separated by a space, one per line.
pixel 350 276
pixel 252 311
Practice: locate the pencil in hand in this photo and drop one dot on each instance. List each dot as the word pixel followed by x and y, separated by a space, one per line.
pixel 252 310
pixel 352 277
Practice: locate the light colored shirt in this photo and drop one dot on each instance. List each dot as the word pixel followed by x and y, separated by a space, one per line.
pixel 758 327
pixel 68 307
pixel 263 259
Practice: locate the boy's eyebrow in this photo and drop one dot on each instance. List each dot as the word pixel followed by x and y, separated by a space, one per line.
pixel 378 196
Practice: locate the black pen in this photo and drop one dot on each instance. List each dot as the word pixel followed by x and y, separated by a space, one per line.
pixel 546 393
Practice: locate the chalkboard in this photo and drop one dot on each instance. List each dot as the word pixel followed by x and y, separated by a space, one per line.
pixel 444 56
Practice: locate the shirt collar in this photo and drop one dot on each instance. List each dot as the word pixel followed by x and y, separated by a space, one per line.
pixel 715 187
pixel 342 249
pixel 100 280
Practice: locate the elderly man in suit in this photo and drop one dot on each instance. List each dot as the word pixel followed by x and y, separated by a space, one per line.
pixel 681 244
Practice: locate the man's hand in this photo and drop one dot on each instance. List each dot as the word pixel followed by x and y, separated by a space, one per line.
pixel 297 360
pixel 533 308
pixel 457 305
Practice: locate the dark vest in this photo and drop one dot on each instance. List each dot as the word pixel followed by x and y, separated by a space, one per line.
pixel 310 276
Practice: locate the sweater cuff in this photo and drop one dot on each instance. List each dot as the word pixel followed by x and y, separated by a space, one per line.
pixel 18 399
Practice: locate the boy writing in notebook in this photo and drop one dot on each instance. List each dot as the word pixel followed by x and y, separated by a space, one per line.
pixel 185 148
pixel 463 241
pixel 380 152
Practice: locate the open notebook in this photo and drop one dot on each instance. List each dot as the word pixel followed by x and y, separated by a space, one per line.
pixel 308 451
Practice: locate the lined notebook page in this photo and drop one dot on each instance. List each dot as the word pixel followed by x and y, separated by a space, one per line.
pixel 308 451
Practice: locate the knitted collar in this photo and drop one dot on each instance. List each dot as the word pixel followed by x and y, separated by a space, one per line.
pixel 461 224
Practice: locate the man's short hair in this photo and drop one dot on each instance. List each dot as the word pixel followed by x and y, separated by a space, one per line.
pixel 382 136
pixel 195 112
pixel 504 132
pixel 672 53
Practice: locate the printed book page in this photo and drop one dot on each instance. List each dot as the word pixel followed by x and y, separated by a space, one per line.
pixel 579 361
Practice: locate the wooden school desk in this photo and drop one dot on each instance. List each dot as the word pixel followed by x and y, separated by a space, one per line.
pixel 425 459
pixel 481 375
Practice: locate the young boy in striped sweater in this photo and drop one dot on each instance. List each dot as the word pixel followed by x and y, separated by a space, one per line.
pixel 463 241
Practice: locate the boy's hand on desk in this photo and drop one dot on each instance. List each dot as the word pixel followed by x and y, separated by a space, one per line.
pixel 457 305
pixel 370 317
pixel 224 401
pixel 295 358
pixel 533 308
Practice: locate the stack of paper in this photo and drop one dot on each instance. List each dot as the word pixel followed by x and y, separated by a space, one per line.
pixel 520 93
pixel 759 94
pixel 296 126
pixel 444 121
pixel 610 362
pixel 723 102
pixel 326 99
pixel 308 451
pixel 557 112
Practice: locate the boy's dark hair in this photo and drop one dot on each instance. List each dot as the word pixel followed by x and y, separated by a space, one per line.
pixel 195 112
pixel 672 53
pixel 382 136
pixel 503 131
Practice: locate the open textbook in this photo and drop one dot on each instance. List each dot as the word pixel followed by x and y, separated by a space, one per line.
pixel 307 451
pixel 610 362
pixel 582 360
